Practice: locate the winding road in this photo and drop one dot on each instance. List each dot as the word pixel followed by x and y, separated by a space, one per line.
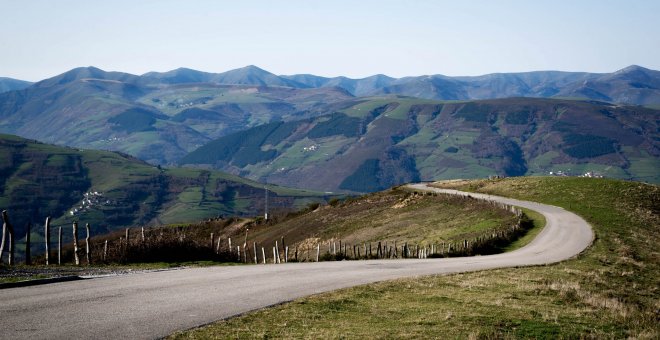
pixel 156 304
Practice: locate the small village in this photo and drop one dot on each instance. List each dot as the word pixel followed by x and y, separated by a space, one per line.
pixel 90 200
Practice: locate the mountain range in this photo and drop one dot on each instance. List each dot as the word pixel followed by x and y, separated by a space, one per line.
pixel 508 124
pixel 631 85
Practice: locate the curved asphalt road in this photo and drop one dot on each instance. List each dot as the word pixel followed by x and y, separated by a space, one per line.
pixel 155 304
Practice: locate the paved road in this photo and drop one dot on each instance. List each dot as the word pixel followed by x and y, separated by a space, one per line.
pixel 155 304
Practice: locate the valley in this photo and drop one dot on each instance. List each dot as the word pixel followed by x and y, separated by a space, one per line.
pixel 110 190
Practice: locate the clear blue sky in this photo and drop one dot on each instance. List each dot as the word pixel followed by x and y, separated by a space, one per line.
pixel 42 38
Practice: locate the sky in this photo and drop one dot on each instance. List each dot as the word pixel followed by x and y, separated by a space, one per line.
pixel 43 38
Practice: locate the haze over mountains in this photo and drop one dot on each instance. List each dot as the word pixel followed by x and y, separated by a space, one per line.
pixel 631 85
pixel 394 130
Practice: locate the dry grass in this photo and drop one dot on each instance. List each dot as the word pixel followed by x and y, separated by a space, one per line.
pixel 394 215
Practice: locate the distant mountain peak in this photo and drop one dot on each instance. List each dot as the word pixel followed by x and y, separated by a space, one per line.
pixel 87 72
pixel 381 77
pixel 185 69
pixel 252 69
pixel 632 68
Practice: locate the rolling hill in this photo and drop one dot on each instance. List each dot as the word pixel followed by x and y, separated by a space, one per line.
pixel 110 190
pixel 384 141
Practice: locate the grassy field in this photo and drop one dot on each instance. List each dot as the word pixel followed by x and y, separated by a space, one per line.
pixel 610 291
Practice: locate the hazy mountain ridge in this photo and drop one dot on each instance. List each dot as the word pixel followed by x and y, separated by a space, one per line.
pixel 631 85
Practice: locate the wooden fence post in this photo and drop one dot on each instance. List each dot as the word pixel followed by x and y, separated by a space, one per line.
pixel 263 254
pixel 245 245
pixel 217 247
pixel 105 251
pixel 144 238
pixel 9 229
pixel 128 239
pixel 212 241
pixel 47 239
pixel 75 243
pixel 88 256
pixel 254 245
pixel 318 251
pixel 4 237
pixel 28 260
pixel 230 249
pixel 286 254
pixel 59 246
pixel 277 253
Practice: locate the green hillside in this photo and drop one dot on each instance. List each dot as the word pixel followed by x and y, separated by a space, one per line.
pixel 111 190
pixel 384 141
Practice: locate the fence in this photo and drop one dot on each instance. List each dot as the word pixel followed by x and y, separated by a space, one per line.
pixel 173 244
